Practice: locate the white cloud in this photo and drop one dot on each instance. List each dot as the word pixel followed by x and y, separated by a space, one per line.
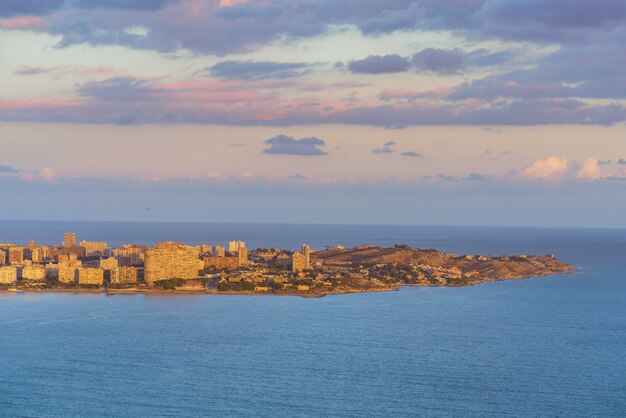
pixel 550 169
pixel 45 175
pixel 589 170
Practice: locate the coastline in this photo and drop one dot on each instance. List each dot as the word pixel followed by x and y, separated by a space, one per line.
pixel 304 294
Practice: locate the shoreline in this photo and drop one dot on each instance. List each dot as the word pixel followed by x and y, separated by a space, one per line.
pixel 303 294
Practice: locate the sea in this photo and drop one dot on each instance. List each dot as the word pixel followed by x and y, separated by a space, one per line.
pixel 552 346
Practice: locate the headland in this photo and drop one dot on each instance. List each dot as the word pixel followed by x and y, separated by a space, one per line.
pixel 176 268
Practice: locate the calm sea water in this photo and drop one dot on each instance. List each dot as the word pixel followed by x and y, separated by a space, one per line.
pixel 551 346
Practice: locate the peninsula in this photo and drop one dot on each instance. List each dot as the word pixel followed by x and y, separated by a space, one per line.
pixel 171 267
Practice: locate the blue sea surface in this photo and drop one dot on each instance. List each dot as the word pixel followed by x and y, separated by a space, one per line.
pixel 553 346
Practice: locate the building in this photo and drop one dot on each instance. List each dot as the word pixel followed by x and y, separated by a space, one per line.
pixel 69 240
pixel 298 261
pixel 306 252
pixel 69 261
pixel 108 263
pixel 234 246
pixel 3 257
pixel 67 275
pixel 52 271
pixel 16 255
pixel 242 256
pixel 39 254
pixel 8 275
pixel 228 263
pixel 129 254
pixel 34 272
pixel 94 249
pixel 78 252
pixel 90 276
pixel 123 275
pixel 219 251
pixel 171 260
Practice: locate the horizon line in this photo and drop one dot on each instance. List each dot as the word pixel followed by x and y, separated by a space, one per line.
pixel 318 224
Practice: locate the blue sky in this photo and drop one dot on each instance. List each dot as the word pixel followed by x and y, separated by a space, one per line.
pixel 476 112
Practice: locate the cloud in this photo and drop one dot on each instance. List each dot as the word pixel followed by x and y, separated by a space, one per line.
pixel 283 144
pixel 22 22
pixel 377 64
pixel 44 7
pixel 411 154
pixel 558 169
pixel 589 170
pixel 392 20
pixel 477 177
pixel 257 70
pixel 26 70
pixel 396 127
pixel 45 175
pixel 63 70
pixel 551 169
pixel 484 57
pixel 7 169
pixel 411 95
pixel 551 20
pixel 387 148
pixel 437 61
pixel 11 8
pixel 229 103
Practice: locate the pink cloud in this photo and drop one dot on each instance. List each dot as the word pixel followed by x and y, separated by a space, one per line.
pixel 405 94
pixel 22 22
pixel 45 175
pixel 25 104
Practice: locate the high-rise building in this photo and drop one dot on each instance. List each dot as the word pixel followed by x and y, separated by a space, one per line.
pixel 234 246
pixel 90 275
pixel 8 275
pixel 226 263
pixel 35 272
pixel 171 260
pixel 97 249
pixel 129 254
pixel 67 274
pixel 123 275
pixel 242 256
pixel 219 251
pixel 108 263
pixel 40 254
pixel 16 255
pixel 69 240
pixel 297 261
pixel 306 252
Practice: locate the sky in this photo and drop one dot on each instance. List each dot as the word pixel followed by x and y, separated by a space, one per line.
pixel 428 112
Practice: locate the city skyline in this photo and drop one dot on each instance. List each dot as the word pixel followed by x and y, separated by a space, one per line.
pixel 401 112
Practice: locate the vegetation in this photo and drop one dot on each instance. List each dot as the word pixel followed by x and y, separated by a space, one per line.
pixel 169 284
